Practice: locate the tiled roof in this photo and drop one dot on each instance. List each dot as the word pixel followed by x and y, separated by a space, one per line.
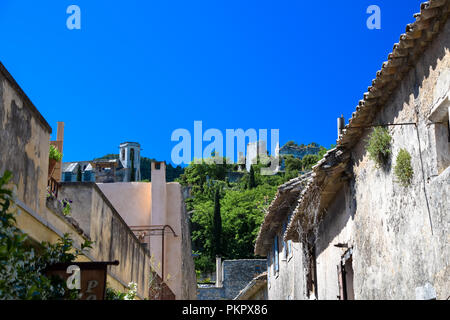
pixel 419 34
pixel 277 212
pixel 331 169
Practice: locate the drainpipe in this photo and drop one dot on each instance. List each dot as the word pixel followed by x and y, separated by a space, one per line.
pixel 162 248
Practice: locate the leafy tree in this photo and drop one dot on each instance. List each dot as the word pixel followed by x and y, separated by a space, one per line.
pixel 241 206
pixel 309 161
pixel 21 266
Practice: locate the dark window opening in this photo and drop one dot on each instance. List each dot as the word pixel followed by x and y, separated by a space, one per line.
pixel 157 165
pixel 311 277
pixel 440 119
pixel 345 277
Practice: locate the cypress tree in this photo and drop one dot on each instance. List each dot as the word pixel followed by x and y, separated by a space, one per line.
pixel 217 225
pixel 251 182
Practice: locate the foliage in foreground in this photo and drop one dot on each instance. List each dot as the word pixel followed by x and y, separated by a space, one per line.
pixel 21 266
pixel 112 294
pixel 54 153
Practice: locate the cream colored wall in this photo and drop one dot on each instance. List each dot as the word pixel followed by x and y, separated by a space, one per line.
pixel 133 201
pixel 173 244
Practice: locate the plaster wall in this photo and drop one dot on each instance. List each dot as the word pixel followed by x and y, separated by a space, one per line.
pixel 289 282
pixel 400 234
pixel 133 201
pixel 24 143
pixel 113 238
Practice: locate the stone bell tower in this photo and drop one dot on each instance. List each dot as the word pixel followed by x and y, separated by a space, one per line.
pixel 130 157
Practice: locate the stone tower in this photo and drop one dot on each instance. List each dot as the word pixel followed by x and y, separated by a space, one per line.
pixel 130 157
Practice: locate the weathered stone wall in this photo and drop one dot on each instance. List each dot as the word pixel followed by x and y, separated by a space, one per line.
pixel 336 228
pixel 24 143
pixel 398 250
pixel 113 238
pixel 399 234
pixel 289 282
pixel 236 275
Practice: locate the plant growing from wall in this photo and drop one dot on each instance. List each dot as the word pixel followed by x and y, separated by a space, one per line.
pixel 379 146
pixel 54 154
pixel 403 169
pixel 21 267
pixel 67 209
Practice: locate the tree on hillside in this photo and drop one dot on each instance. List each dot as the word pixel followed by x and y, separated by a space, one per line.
pixel 217 225
pixel 251 181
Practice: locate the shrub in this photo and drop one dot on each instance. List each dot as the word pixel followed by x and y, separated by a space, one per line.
pixel 379 146
pixel 112 294
pixel 22 267
pixel 403 169
pixel 67 209
pixel 54 153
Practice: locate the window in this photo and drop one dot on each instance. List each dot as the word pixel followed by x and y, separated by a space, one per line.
pixel 67 176
pixel 123 154
pixel 345 276
pixel 311 277
pixel 285 245
pixel 440 121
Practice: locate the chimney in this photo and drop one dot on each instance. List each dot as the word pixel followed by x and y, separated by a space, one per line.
pixel 159 193
pixel 58 143
pixel 219 280
pixel 340 126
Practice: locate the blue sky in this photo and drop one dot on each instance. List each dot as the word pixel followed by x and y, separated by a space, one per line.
pixel 138 70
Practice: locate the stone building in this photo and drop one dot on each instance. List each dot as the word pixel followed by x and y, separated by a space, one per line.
pixel 124 169
pixel 24 145
pixel 285 276
pixel 231 277
pixel 362 234
pixel 255 289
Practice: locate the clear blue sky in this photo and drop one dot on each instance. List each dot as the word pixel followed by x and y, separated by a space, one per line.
pixel 137 70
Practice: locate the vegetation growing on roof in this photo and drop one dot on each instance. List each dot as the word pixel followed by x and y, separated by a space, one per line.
pixel 54 153
pixel 403 169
